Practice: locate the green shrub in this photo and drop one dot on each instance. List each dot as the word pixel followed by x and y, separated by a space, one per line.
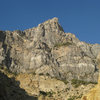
pixel 80 96
pixel 47 74
pixel 49 94
pixel 74 97
pixel 34 73
pixel 65 81
pixel 41 74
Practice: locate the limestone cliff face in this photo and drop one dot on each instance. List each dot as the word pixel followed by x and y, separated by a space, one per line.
pixel 47 49
pixel 94 94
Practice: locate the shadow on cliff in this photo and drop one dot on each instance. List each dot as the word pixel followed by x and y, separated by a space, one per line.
pixel 10 90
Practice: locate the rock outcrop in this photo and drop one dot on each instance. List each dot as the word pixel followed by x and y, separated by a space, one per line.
pixel 47 49
pixel 94 94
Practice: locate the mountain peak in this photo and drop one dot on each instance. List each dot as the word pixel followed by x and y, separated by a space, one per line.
pixel 53 20
pixel 49 32
pixel 52 24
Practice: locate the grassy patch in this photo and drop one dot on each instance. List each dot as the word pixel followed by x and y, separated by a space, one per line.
pixel 62 44
pixel 74 97
pixel 65 81
pixel 76 83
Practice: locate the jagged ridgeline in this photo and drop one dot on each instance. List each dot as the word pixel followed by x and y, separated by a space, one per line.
pixel 48 50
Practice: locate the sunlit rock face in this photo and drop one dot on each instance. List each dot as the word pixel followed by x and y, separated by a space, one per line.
pixel 94 94
pixel 47 49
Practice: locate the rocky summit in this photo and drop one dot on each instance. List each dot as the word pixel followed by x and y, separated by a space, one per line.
pixel 47 59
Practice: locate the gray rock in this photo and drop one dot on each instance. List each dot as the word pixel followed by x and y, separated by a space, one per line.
pixel 46 32
pixel 95 49
pixel 71 37
pixel 47 49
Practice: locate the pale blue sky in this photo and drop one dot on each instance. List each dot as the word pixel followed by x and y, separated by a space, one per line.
pixel 81 17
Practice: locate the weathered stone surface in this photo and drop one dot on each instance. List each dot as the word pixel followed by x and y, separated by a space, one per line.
pixel 72 37
pixel 95 49
pixel 47 49
pixel 49 32
pixel 94 94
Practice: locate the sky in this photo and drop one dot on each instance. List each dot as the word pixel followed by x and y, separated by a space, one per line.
pixel 80 17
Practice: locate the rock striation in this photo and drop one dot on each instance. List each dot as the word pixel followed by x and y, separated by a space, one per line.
pixel 94 94
pixel 47 49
